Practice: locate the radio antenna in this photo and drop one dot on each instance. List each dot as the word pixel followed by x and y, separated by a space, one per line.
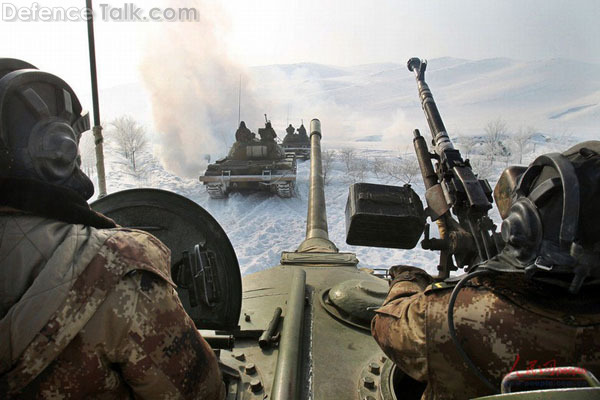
pixel 97 129
pixel 240 102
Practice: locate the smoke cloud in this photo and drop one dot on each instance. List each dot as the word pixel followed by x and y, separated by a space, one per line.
pixel 194 89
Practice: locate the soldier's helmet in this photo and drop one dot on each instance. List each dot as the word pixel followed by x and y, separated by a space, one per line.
pixel 552 228
pixel 41 123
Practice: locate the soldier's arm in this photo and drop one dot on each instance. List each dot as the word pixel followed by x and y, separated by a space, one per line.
pixel 149 337
pixel 399 326
pixel 161 354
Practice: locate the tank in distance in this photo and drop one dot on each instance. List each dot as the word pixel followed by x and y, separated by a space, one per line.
pixel 254 163
pixel 296 141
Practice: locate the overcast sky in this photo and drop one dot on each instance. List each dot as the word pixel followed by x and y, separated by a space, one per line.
pixel 339 32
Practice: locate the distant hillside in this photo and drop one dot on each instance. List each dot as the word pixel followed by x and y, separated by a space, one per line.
pixel 555 96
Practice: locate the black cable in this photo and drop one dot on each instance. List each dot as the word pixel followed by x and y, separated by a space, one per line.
pixel 452 331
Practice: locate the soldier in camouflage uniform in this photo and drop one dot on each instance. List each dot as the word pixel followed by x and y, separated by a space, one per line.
pixel 530 313
pixel 87 309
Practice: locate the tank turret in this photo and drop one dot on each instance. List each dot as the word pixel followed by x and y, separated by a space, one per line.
pixel 297 143
pixel 252 165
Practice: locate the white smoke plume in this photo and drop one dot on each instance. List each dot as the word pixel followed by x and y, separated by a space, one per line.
pixel 194 89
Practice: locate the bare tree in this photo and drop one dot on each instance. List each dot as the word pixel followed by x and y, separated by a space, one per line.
pixel 358 169
pixel 522 139
pixel 378 166
pixel 506 153
pixel 130 136
pixel 88 154
pixel 404 169
pixel 327 158
pixel 467 144
pixel 495 131
pixel 347 155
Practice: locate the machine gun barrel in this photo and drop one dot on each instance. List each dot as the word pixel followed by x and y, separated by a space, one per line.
pixel 441 140
pixel 452 185
pixel 317 235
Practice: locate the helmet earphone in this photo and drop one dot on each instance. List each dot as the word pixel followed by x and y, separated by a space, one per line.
pixel 523 228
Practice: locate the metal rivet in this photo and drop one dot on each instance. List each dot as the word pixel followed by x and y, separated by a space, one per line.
pixel 255 385
pixel 250 369
pixel 246 317
pixel 374 368
pixel 369 382
pixel 239 356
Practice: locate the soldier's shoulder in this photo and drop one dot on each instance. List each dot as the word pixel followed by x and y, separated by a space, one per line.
pixel 440 287
pixel 141 251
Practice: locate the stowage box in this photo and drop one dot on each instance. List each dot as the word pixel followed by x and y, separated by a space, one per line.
pixel 384 216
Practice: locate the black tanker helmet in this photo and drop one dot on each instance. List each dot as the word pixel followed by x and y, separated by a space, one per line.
pixel 552 228
pixel 41 123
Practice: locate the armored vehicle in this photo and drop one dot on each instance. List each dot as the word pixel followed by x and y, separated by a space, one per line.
pixel 252 164
pixel 299 330
pixel 297 143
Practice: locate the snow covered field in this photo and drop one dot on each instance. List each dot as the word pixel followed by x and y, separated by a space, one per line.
pixel 371 109
pixel 261 226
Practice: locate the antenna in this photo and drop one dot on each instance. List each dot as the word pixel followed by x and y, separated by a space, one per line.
pixel 97 126
pixel 240 102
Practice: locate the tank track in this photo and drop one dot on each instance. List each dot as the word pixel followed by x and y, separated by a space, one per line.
pixel 285 189
pixel 216 191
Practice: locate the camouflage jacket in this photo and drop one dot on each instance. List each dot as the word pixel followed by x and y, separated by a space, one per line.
pixel 501 329
pixel 88 313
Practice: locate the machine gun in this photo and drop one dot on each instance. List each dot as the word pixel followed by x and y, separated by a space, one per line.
pixel 452 190
pixel 388 216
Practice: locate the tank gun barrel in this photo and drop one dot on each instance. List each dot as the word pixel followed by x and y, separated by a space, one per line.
pixel 317 235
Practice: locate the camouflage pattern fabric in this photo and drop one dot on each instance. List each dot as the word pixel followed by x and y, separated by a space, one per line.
pixel 121 333
pixel 500 329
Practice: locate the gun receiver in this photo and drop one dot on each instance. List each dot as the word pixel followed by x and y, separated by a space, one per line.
pixel 452 188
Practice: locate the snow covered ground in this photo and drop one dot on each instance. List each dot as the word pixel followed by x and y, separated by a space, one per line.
pixel 370 108
pixel 261 226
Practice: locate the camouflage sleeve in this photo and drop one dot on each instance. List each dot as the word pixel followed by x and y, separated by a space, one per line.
pixel 145 330
pixel 399 327
pixel 162 354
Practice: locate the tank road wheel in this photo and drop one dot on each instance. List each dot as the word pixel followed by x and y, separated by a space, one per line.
pixel 216 191
pixel 285 189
